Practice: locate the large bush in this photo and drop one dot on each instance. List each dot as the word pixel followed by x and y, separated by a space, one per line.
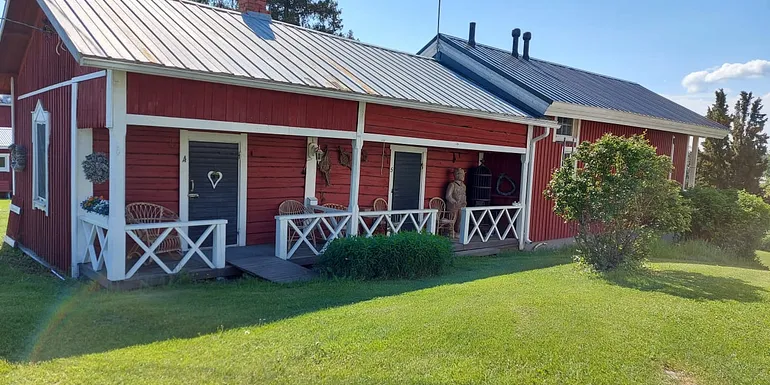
pixel 618 196
pixel 733 220
pixel 403 255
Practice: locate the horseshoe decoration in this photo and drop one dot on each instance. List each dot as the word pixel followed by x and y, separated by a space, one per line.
pixel 215 177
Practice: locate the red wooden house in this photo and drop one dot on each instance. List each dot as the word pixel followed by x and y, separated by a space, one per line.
pixel 220 116
pixel 586 105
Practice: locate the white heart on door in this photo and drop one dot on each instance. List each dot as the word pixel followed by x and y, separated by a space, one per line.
pixel 215 177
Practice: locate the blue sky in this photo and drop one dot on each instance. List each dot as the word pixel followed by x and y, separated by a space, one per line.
pixel 656 43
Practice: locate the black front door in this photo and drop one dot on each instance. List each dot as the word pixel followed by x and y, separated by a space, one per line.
pixel 407 172
pixel 213 169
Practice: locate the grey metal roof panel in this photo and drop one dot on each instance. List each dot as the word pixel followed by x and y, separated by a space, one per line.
pixel 185 35
pixel 559 83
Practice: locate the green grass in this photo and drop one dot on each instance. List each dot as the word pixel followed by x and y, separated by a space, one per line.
pixel 519 318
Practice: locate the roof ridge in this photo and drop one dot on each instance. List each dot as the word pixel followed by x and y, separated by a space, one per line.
pixel 190 2
pixel 549 62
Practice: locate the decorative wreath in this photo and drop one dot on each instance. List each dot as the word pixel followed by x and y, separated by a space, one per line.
pixel 500 181
pixel 97 167
pixel 18 157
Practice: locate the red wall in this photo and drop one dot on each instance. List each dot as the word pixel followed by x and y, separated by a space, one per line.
pixel 49 236
pixel 545 225
pixel 181 98
pixel 433 125
pixel 5 116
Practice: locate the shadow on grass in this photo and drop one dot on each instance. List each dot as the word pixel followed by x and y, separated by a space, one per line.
pixel 689 285
pixel 92 321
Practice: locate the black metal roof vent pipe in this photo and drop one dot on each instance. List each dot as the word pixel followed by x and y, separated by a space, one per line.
pixel 472 34
pixel 515 33
pixel 527 37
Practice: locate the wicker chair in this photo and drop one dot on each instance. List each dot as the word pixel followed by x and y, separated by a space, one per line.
pixel 445 221
pixel 292 207
pixel 380 204
pixel 142 212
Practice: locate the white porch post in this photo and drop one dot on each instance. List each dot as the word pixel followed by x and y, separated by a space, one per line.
pixel 693 166
pixel 116 260
pixel 523 188
pixel 311 171
pixel 355 170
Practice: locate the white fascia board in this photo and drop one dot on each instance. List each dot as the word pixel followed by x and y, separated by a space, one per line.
pixel 305 90
pixel 603 115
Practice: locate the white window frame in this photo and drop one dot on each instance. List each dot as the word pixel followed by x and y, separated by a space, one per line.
pixel 40 116
pixel 568 138
pixel 423 151
pixel 7 167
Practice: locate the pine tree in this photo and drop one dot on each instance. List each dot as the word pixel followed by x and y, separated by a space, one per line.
pixel 715 161
pixel 320 15
pixel 739 160
pixel 749 143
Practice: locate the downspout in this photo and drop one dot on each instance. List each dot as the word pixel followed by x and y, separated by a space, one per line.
pixel 13 131
pixel 531 173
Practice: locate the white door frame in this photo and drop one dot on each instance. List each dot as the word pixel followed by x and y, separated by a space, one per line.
pixel 418 150
pixel 242 140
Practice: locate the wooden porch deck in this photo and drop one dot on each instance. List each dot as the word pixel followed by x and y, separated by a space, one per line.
pixel 259 261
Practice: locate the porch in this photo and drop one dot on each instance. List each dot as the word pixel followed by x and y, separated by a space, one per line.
pixel 258 261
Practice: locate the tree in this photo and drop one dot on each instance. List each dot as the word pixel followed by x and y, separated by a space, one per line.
pixel 715 162
pixel 618 196
pixel 739 160
pixel 320 15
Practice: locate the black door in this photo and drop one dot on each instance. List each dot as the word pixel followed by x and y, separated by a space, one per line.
pixel 214 187
pixel 407 170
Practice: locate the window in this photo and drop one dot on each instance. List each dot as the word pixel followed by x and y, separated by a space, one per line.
pixel 40 134
pixel 5 160
pixel 566 128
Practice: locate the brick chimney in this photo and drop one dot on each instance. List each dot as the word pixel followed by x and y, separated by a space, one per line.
pixel 259 6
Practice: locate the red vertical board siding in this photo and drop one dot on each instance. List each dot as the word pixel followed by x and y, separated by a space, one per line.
pixel 375 172
pixel 48 236
pixel 276 173
pixel 433 125
pixel 5 116
pixel 92 99
pixel 545 225
pixel 152 165
pixel 183 98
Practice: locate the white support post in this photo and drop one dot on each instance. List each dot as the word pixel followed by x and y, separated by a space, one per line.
pixel 116 260
pixel 693 167
pixel 281 238
pixel 355 170
pixel 218 258
pixel 430 225
pixel 523 188
pixel 75 240
pixel 311 171
pixel 465 225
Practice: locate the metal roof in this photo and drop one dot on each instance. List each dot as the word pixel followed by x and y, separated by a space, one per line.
pixel 553 82
pixel 190 36
pixel 6 138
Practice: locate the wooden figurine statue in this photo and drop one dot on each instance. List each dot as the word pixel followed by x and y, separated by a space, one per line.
pixel 456 197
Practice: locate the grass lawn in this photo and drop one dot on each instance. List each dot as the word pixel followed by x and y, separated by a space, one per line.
pixel 520 318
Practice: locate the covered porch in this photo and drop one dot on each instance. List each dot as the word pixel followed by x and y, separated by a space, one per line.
pixel 226 182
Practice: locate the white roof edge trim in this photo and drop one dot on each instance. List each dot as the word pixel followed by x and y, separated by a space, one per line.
pixel 314 91
pixel 603 115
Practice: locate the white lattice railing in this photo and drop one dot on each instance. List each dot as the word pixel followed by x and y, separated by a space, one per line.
pixel 212 228
pixel 392 222
pixel 502 222
pixel 311 230
pixel 95 232
pixel 95 229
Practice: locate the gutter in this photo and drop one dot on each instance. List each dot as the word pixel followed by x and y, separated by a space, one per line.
pixel 530 176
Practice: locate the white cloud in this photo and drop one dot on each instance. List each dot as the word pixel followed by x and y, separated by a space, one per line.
pixel 696 81
pixel 766 98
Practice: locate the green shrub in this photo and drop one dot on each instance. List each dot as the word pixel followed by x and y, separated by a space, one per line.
pixel 403 255
pixel 618 196
pixel 733 220
pixel 765 243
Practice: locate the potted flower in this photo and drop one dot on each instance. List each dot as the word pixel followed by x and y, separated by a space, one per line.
pixel 96 206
